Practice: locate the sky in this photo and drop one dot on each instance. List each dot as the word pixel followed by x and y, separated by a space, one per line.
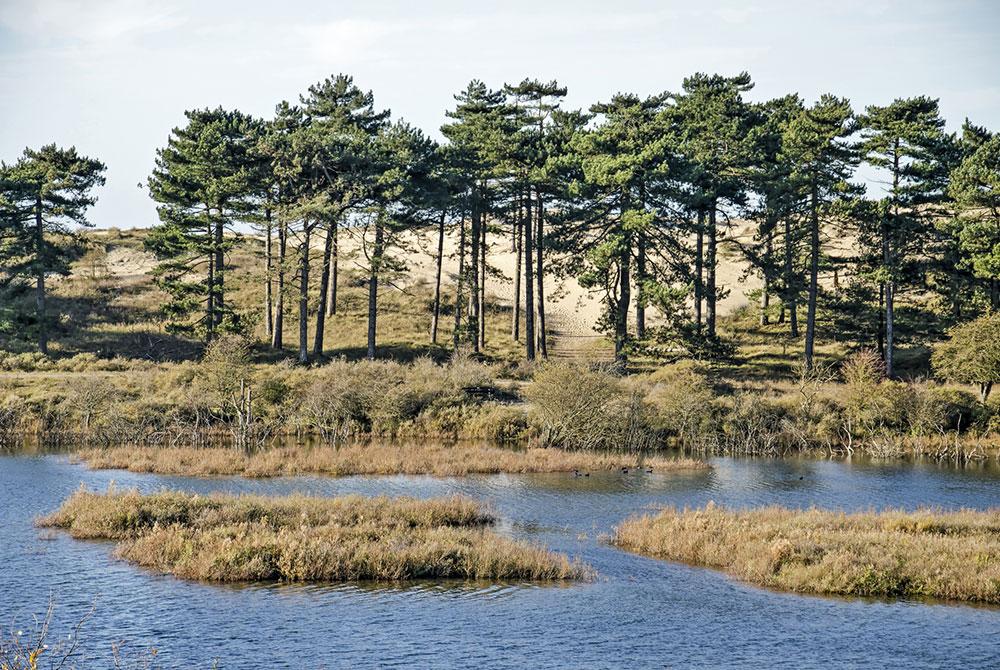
pixel 113 77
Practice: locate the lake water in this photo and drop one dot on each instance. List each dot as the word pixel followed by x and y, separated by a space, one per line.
pixel 638 613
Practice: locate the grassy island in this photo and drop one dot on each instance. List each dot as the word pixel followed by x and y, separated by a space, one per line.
pixel 372 459
pixel 927 553
pixel 247 538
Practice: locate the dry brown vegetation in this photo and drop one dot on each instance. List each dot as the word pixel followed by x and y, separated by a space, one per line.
pixel 372 459
pixel 297 538
pixel 927 553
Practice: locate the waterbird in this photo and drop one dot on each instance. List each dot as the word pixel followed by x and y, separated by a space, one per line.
pixel 649 471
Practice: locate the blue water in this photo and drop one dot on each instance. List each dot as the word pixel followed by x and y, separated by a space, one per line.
pixel 638 613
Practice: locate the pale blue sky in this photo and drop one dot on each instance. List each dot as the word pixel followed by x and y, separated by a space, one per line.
pixel 114 77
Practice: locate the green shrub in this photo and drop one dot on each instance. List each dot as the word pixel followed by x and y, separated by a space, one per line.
pixel 682 402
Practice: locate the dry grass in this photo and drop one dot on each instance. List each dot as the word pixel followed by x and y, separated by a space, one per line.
pixel 244 538
pixel 928 553
pixel 371 459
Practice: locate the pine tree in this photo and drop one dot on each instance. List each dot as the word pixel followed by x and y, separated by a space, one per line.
pixel 42 196
pixel 901 139
pixel 202 184
pixel 816 145
pixel 975 186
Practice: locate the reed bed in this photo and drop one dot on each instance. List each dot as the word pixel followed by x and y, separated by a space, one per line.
pixel 927 553
pixel 248 538
pixel 371 459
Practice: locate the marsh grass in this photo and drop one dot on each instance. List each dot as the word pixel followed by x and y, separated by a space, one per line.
pixel 434 458
pixel 927 553
pixel 248 538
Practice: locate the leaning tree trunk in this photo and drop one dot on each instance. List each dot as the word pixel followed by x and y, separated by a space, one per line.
pixel 813 278
pixel 324 287
pixel 279 307
pixel 40 312
pixel 304 296
pixel 540 278
pixel 640 304
pixel 376 267
pixel 437 279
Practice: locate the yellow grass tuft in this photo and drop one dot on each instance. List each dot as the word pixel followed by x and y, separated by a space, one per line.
pixel 928 553
pixel 298 538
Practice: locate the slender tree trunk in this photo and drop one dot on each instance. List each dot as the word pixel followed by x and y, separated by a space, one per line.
pixel 279 308
pixel 813 277
pixel 984 391
pixel 376 269
pixel 482 284
pixel 887 258
pixel 711 261
pixel 331 298
pixel 459 281
pixel 790 299
pixel 324 287
pixel 765 295
pixel 210 298
pixel 624 298
pixel 881 320
pixel 304 295
pixel 640 304
pixel 994 293
pixel 699 263
pixel 437 279
pixel 540 278
pixel 529 284
pixel 474 312
pixel 515 326
pixel 268 277
pixel 40 312
pixel 220 265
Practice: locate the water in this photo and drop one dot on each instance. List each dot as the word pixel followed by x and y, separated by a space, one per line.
pixel 638 613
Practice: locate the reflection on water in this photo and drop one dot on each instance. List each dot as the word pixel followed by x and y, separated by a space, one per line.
pixel 638 612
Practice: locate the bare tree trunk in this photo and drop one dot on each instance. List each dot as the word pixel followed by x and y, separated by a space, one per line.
pixel 640 304
pixel 459 281
pixel 279 308
pixel 324 287
pixel 437 279
pixel 515 326
pixel 268 278
pixel 482 285
pixel 220 265
pixel 304 295
pixel 474 307
pixel 331 298
pixel 699 262
pixel 711 261
pixel 813 278
pixel 881 320
pixel 40 312
pixel 624 298
pixel 529 284
pixel 765 295
pixel 790 280
pixel 540 278
pixel 210 298
pixel 376 268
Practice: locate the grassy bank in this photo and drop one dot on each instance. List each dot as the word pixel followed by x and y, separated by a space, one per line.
pixel 928 553
pixel 243 538
pixel 372 459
